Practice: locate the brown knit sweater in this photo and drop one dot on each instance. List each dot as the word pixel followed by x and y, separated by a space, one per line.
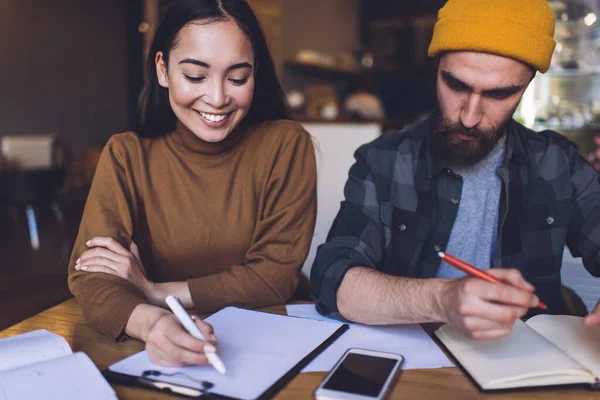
pixel 234 219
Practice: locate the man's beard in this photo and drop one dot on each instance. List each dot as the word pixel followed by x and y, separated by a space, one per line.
pixel 460 152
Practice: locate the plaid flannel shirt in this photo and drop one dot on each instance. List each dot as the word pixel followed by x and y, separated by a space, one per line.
pixel 401 201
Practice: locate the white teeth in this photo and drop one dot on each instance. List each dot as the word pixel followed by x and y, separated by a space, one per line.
pixel 213 117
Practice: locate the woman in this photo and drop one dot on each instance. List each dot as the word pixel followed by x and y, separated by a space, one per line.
pixel 213 200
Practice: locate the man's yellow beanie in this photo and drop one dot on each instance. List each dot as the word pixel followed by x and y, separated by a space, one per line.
pixel 519 29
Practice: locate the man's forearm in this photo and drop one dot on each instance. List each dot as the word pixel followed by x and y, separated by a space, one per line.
pixel 372 297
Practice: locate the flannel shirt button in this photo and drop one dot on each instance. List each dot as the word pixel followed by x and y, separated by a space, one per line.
pixel 454 200
pixel 402 227
pixel 437 247
pixel 549 220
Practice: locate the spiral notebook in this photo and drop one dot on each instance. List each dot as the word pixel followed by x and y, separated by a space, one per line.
pixel 262 352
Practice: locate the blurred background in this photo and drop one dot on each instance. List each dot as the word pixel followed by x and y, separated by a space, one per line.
pixel 352 70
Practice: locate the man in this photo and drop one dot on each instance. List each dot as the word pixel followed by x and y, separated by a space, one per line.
pixel 468 181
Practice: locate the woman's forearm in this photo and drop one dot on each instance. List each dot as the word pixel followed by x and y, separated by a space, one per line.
pixel 159 291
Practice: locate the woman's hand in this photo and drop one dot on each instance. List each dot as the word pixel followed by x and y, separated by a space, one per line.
pixel 108 256
pixel 167 341
pixel 169 344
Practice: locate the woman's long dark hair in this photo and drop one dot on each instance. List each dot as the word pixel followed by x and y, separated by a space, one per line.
pixel 155 116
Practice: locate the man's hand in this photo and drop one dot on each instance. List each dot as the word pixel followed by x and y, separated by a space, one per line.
pixel 593 319
pixel 594 156
pixel 483 310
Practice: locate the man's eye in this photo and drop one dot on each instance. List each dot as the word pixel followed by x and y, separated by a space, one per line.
pixel 498 95
pixel 456 86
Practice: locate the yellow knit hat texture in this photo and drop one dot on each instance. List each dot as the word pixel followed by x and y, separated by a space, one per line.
pixel 519 29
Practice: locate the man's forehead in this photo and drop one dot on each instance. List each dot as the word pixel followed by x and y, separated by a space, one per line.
pixel 485 71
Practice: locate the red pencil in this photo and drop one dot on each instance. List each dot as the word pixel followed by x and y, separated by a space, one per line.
pixel 476 272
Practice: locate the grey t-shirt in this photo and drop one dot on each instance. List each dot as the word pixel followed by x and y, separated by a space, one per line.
pixel 474 235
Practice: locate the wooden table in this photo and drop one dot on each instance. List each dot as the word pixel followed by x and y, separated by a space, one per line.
pixel 435 384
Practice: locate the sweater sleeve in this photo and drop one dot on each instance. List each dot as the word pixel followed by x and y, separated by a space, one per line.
pixel 107 301
pixel 281 238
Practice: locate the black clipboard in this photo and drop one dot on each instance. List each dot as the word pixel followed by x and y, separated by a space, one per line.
pixel 147 382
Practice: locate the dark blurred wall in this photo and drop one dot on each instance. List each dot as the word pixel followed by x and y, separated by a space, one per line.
pixel 326 26
pixel 330 27
pixel 386 9
pixel 398 34
pixel 63 69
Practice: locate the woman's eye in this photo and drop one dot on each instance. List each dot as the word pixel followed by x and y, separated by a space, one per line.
pixel 238 82
pixel 194 79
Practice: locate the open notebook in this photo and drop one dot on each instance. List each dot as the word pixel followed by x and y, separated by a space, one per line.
pixel 41 365
pixel 548 350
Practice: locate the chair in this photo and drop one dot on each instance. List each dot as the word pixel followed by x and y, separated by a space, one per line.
pixel 29 189
pixel 32 176
pixel 335 145
pixel 572 302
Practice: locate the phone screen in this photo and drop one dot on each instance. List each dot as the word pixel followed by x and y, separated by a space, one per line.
pixel 361 374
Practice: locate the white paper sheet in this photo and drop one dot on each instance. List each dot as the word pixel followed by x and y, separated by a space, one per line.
pixel 31 347
pixel 411 341
pixel 257 348
pixel 71 377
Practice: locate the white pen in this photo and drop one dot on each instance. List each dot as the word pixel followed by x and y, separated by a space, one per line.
pixel 190 326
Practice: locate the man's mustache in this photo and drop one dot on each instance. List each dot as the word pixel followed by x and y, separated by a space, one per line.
pixel 454 129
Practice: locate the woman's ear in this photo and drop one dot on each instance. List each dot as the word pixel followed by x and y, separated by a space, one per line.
pixel 161 70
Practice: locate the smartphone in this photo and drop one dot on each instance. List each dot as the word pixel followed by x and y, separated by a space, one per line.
pixel 361 375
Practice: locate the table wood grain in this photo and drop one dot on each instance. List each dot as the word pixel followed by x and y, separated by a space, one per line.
pixel 66 319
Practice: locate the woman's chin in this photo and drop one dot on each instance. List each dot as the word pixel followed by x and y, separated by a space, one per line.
pixel 212 137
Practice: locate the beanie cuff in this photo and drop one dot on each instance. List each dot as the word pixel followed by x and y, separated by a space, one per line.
pixel 493 35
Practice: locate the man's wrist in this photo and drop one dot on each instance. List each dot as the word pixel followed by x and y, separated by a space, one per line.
pixel 440 288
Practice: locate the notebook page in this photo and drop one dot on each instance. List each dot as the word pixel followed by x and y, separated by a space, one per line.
pixel 510 361
pixel 30 348
pixel 72 377
pixel 570 335
pixel 257 348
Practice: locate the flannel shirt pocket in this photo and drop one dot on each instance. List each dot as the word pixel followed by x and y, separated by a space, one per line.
pixel 409 230
pixel 543 229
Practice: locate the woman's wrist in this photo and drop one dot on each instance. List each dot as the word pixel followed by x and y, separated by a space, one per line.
pixel 142 319
pixel 155 294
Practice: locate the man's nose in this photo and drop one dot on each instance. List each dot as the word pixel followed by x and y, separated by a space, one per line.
pixel 471 112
